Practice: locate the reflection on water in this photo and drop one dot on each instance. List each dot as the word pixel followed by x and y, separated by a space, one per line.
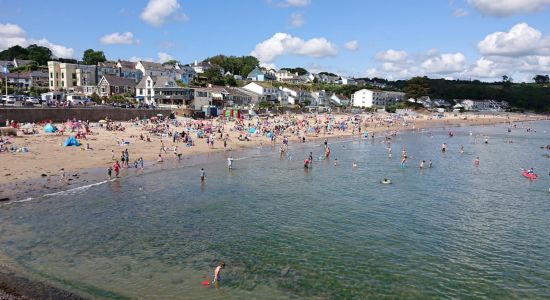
pixel 332 232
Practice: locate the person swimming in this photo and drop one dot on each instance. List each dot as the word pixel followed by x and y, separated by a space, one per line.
pixel 476 161
pixel 422 164
pixel 385 181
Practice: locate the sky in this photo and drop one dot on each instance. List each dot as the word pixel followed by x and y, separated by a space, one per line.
pixel 392 39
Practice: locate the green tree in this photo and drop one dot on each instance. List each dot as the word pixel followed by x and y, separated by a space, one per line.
pixel 213 75
pixel 95 97
pixel 417 87
pixel 14 52
pixel 230 80
pixel 180 83
pixel 39 54
pixel 172 62
pixel 541 79
pixel 300 71
pixel 92 57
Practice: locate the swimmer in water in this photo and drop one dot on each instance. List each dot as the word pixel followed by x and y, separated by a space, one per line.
pixel 476 162
pixel 403 161
pixel 430 164
pixel 217 273
pixel 354 165
pixel 461 149
pixel 422 164
pixel 443 147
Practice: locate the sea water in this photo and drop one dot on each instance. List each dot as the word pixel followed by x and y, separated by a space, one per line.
pixel 285 232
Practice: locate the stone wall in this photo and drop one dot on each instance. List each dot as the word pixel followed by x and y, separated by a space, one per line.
pixel 35 115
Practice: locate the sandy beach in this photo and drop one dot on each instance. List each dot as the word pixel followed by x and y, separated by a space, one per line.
pixel 38 171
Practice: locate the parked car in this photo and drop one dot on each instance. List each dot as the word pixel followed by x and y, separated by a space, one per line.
pixel 9 100
pixel 32 100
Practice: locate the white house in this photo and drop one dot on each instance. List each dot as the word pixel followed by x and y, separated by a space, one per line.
pixel 268 92
pixel 369 98
pixel 288 96
pixel 162 90
pixel 319 98
pixel 347 81
pixel 339 99
pixel 363 98
pixel 152 69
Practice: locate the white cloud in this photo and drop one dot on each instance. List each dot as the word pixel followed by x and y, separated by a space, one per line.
pixel 460 12
pixel 521 40
pixel 352 45
pixel 11 30
pixel 445 63
pixel 295 3
pixel 12 34
pixel 297 20
pixel 503 8
pixel 57 50
pixel 156 11
pixel 125 38
pixel 391 55
pixel 285 44
pixel 164 57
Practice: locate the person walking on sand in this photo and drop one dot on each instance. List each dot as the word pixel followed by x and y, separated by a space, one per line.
pixel 62 175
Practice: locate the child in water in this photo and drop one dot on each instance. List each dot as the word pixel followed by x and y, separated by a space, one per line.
pixel 217 271
pixel 203 175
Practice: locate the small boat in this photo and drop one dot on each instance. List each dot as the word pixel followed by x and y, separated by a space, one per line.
pixel 529 175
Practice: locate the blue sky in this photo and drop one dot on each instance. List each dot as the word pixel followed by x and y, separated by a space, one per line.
pixel 481 39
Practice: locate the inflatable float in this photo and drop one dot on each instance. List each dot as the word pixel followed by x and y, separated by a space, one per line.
pixel 529 175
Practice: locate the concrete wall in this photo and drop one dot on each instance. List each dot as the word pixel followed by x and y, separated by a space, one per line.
pixel 62 114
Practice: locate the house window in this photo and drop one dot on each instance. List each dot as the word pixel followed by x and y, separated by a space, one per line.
pixel 62 75
pixel 51 82
pixel 116 89
pixel 103 89
pixel 63 83
pixel 56 75
pixel 74 76
pixel 51 74
pixel 74 83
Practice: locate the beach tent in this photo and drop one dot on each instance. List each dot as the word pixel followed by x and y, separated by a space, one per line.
pixel 71 141
pixel 49 128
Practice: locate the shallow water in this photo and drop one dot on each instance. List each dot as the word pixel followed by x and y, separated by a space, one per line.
pixel 330 232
